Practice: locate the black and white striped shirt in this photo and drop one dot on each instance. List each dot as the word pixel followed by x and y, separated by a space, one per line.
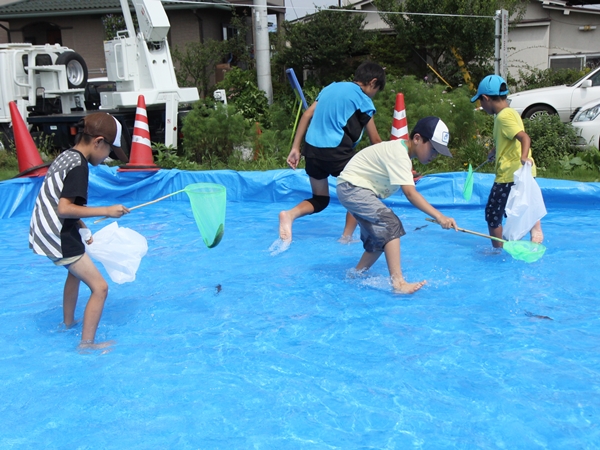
pixel 49 234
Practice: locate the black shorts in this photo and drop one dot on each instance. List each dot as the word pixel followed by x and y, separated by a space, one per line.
pixel 319 169
pixel 496 205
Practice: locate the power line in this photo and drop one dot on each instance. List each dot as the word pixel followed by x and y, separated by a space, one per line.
pixel 355 11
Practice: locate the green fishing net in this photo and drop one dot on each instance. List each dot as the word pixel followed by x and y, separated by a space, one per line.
pixel 468 189
pixel 208 205
pixel 524 250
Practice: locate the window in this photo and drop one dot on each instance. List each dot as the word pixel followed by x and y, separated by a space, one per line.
pixel 567 62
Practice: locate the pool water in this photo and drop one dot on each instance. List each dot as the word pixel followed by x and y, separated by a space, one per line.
pixel 232 348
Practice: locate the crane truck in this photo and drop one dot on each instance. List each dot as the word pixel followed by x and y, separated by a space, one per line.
pixel 49 83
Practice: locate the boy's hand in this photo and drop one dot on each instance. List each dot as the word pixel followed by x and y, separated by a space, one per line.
pixel 447 222
pixel 117 211
pixel 294 158
pixel 525 161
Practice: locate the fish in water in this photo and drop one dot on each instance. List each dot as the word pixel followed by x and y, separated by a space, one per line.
pixel 537 316
pixel 420 228
pixel 218 289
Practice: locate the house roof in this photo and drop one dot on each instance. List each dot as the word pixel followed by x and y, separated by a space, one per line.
pixel 48 8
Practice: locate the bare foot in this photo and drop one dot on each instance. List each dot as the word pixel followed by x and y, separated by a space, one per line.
pixel 347 239
pixel 403 287
pixel 89 345
pixel 537 236
pixel 285 226
pixel 72 324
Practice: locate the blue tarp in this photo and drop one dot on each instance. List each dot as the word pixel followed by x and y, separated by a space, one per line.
pixel 107 186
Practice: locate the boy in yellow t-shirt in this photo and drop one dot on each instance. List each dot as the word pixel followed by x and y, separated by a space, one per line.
pixel 512 149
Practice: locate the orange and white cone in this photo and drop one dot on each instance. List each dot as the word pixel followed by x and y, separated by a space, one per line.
pixel 28 156
pixel 140 158
pixel 399 123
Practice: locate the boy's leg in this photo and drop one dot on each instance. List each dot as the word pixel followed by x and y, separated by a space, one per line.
pixel 367 260
pixel 304 208
pixel 70 294
pixel 392 257
pixel 349 228
pixel 86 271
pixel 537 236
pixel 494 210
pixel 496 232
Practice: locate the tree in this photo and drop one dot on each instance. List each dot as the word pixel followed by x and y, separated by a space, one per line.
pixel 449 41
pixel 329 44
pixel 197 62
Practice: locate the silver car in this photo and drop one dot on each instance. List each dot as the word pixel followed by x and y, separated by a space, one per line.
pixel 587 124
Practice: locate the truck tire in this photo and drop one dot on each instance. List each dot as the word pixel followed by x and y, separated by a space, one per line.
pixel 77 72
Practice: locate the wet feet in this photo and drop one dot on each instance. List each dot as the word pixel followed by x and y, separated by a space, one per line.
pixel 285 226
pixel 537 236
pixel 407 288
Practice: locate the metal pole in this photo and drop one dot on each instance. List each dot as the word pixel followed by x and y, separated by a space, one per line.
pixel 497 37
pixel 262 49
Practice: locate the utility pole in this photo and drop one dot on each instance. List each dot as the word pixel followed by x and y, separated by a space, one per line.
pixel 501 43
pixel 262 49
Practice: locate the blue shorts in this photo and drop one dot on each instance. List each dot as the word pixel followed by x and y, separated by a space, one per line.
pixel 378 223
pixel 496 205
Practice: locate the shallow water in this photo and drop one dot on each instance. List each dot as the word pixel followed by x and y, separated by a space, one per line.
pixel 234 348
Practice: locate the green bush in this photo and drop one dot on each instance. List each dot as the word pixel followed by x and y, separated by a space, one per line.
pixel 242 91
pixel 212 133
pixel 551 140
pixel 453 107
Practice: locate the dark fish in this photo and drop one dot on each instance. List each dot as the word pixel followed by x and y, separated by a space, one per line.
pixel 218 289
pixel 537 316
pixel 420 228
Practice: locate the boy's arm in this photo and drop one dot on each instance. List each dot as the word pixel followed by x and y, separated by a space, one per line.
pixel 294 157
pixel 67 209
pixel 372 132
pixel 525 141
pixel 419 201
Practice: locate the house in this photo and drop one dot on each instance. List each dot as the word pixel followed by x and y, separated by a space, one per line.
pixel 79 24
pixel 552 34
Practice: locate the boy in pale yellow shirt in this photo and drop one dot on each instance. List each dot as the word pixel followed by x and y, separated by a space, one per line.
pixel 379 171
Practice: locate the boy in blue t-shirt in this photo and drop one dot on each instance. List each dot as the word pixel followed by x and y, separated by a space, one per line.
pixel 333 124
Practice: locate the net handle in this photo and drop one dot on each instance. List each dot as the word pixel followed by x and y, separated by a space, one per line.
pixel 145 204
pixel 470 232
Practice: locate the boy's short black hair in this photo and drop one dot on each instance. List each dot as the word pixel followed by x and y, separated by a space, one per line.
pixel 369 70
pixel 495 98
pixel 412 135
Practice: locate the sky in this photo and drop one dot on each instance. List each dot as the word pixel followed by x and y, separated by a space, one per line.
pixel 298 8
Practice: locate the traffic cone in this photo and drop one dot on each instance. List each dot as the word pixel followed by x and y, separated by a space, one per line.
pixel 140 158
pixel 28 156
pixel 400 126
pixel 399 123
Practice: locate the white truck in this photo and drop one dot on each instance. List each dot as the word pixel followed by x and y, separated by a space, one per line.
pixel 49 82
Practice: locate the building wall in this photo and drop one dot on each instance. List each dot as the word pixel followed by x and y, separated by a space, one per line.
pixel 550 38
pixel 528 48
pixel 3 33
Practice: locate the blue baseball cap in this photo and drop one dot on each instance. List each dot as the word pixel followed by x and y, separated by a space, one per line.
pixel 491 85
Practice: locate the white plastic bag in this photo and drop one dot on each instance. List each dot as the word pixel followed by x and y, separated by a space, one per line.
pixel 525 205
pixel 120 250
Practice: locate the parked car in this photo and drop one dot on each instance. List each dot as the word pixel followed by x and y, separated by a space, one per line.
pixel 587 124
pixel 563 100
